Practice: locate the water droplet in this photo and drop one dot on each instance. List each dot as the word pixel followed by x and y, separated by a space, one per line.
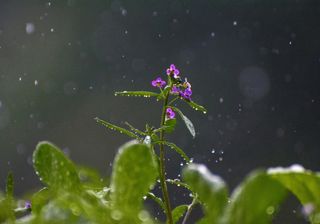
pixel 235 23
pixel 213 151
pixel 270 210
pixel 30 28
pixel 36 82
pixel 51 30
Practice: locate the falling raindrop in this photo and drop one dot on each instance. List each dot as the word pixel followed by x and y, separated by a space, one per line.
pixel 35 82
pixel 30 28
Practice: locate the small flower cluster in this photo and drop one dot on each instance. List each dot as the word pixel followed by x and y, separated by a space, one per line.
pixel 180 88
pixel 183 89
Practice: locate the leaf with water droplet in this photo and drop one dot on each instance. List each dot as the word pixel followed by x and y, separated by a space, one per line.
pixel 175 148
pixel 137 94
pixel 134 173
pixel 256 198
pixel 54 168
pixel 211 189
pixel 187 122
pixel 302 183
pixel 117 128
pixel 196 106
pixel 157 200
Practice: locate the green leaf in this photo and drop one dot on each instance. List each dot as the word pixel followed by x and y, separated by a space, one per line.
pixel 175 148
pixel 196 106
pixel 157 200
pixel 211 190
pixel 146 94
pixel 304 184
pixel 178 212
pixel 187 122
pixel 54 168
pixel 179 183
pixel 257 198
pixel 134 174
pixel 169 125
pixel 135 130
pixel 117 128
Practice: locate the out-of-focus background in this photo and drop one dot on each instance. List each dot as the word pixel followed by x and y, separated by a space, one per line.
pixel 255 65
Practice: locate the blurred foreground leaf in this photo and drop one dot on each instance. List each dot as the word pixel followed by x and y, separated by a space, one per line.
pixel 255 200
pixel 211 190
pixel 134 174
pixel 54 168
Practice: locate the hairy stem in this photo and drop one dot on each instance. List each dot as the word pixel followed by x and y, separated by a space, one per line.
pixel 162 175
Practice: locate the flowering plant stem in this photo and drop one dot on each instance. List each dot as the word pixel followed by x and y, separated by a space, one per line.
pixel 162 174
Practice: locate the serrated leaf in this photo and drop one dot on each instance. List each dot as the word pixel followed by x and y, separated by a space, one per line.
pixel 146 94
pixel 175 148
pixel 257 198
pixel 169 125
pixel 117 128
pixel 304 184
pixel 178 212
pixel 211 190
pixel 196 106
pixel 134 174
pixel 54 168
pixel 187 122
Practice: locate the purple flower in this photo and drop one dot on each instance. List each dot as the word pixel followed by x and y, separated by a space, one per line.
pixel 27 205
pixel 170 113
pixel 158 82
pixel 175 89
pixel 186 94
pixel 173 71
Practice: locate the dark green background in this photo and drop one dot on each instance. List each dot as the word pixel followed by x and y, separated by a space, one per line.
pixel 255 65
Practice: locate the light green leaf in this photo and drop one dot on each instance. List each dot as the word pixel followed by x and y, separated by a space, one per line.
pixel 175 148
pixel 187 122
pixel 134 174
pixel 196 106
pixel 304 184
pixel 117 128
pixel 146 94
pixel 178 212
pixel 169 125
pixel 257 198
pixel 211 190
pixel 54 168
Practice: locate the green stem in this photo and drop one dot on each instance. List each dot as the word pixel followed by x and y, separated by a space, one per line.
pixel 190 207
pixel 163 183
